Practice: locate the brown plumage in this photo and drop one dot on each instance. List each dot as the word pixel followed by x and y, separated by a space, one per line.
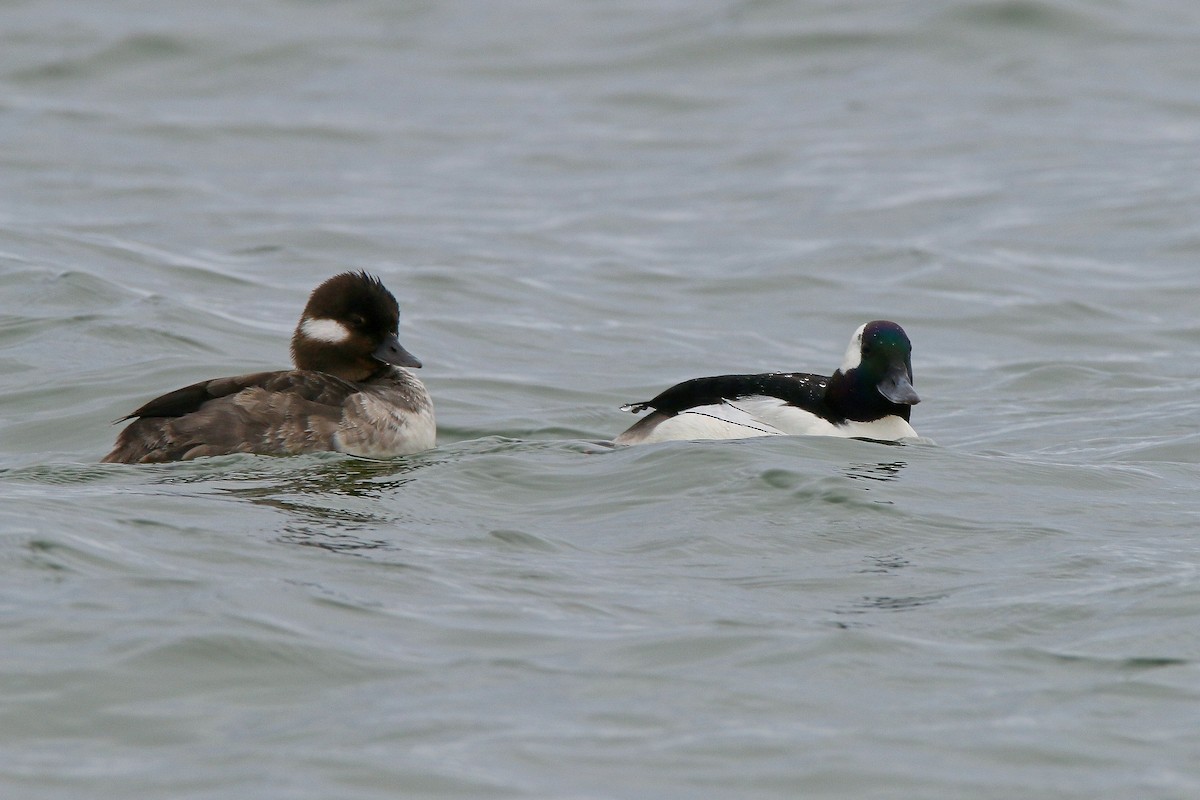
pixel 349 393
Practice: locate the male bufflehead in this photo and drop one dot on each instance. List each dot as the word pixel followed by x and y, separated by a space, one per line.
pixel 868 397
pixel 350 392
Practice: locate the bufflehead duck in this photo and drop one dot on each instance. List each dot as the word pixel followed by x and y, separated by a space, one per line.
pixel 350 392
pixel 868 397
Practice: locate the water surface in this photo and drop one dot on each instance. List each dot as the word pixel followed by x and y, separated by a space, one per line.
pixel 578 205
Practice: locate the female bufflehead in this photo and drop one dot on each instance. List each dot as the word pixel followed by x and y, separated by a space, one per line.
pixel 350 392
pixel 868 397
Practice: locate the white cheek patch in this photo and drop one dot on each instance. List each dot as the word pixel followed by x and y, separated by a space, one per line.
pixel 853 355
pixel 329 331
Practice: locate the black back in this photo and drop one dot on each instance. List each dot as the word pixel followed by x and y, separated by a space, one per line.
pixel 801 389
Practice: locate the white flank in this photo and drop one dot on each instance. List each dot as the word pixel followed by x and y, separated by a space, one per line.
pixel 329 331
pixel 718 421
pixel 787 419
pixel 888 429
pixel 767 416
pixel 853 355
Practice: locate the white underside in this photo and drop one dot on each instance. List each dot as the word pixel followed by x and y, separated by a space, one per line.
pixel 767 416
pixel 392 434
pixel 375 425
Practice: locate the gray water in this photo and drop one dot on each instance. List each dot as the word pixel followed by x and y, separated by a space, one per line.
pixel 579 204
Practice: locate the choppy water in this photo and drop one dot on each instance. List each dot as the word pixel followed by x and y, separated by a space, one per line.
pixel 578 205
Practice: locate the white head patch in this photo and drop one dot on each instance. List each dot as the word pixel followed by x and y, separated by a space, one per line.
pixel 853 355
pixel 329 331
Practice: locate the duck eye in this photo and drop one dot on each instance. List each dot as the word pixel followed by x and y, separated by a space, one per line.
pixel 358 320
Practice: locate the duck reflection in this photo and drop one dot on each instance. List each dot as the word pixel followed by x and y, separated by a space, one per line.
pixel 882 471
pixel 321 502
pixel 897 603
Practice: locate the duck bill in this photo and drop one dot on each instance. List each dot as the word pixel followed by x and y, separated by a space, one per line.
pixel 390 352
pixel 897 386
